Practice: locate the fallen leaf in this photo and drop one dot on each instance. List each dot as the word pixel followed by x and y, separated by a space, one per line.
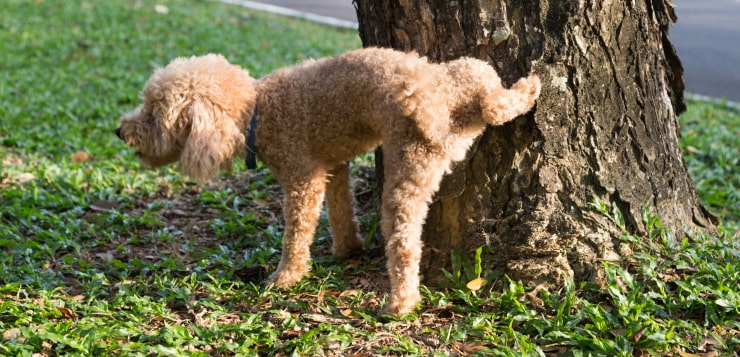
pixel 708 341
pixel 476 284
pixel 259 202
pixel 636 337
pixel 618 332
pixel 350 293
pixel 13 333
pixel 80 156
pixel 686 354
pixel 68 313
pixel 103 206
pixel 104 256
pixel 24 177
pixel 693 150
pixel 289 335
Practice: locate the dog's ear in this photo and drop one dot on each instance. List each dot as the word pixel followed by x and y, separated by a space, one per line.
pixel 213 140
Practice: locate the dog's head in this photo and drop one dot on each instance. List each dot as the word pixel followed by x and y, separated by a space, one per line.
pixel 196 111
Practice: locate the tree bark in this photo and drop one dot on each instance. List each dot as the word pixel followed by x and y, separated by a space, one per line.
pixel 605 124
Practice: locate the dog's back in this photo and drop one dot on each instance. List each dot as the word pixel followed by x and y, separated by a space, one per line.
pixel 346 100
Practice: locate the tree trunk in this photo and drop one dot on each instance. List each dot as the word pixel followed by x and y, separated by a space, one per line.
pixel 605 124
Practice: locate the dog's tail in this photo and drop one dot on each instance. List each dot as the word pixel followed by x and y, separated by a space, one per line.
pixel 499 105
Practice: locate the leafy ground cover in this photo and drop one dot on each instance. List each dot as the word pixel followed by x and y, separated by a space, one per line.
pixel 101 257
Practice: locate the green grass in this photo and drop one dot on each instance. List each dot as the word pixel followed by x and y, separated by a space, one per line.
pixel 99 256
pixel 711 142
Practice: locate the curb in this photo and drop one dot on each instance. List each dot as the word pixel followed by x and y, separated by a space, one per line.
pixel 717 101
pixel 326 20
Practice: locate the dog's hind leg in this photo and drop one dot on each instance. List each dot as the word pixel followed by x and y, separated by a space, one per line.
pixel 339 199
pixel 304 196
pixel 412 178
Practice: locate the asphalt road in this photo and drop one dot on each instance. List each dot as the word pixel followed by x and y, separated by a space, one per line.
pixel 707 37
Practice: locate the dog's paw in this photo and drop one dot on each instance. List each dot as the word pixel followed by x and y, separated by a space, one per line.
pixel 349 248
pixel 402 305
pixel 283 279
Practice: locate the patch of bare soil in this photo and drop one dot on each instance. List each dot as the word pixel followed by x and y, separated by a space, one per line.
pixel 189 222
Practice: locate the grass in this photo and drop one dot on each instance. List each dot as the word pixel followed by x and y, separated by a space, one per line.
pixel 101 257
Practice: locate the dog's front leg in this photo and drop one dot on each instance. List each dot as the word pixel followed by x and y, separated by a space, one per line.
pixel 304 196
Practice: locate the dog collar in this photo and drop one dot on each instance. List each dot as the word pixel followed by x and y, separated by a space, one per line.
pixel 251 152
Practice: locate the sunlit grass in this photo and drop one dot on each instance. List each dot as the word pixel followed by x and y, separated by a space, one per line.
pixel 101 257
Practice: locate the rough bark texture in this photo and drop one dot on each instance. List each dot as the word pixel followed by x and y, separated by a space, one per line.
pixel 605 124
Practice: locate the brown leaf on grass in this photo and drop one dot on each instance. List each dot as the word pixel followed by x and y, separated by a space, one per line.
pixel 68 313
pixel 687 354
pixel 260 203
pixel 349 293
pixel 476 284
pixel 469 348
pixel 103 206
pixel 708 342
pixel 80 156
pixel 13 333
pixel 105 256
pixel 636 337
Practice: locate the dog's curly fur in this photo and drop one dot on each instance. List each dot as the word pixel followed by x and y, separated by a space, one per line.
pixel 315 117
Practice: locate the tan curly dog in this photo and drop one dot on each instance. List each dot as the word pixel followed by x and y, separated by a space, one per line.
pixel 311 120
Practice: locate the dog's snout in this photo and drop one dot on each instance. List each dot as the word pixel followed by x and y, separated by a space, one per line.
pixel 118 133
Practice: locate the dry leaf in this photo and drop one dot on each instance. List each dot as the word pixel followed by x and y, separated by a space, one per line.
pixel 68 313
pixel 708 341
pixel 103 206
pixel 476 284
pixel 105 256
pixel 13 333
pixel 686 354
pixel 80 156
pixel 351 293
pixel 24 177
pixel 636 337
pixel 618 332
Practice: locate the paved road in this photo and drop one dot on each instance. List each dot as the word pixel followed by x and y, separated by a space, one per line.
pixel 707 37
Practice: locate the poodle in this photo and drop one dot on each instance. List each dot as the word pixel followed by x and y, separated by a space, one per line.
pixel 307 121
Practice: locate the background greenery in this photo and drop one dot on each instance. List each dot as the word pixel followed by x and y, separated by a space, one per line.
pixel 101 257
